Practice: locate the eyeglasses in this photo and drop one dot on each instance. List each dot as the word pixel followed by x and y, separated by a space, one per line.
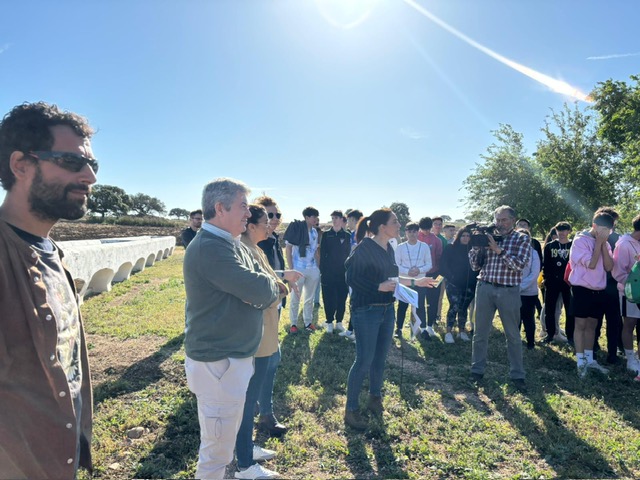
pixel 277 215
pixel 72 162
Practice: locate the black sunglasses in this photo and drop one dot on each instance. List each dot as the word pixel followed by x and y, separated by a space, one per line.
pixel 277 215
pixel 67 160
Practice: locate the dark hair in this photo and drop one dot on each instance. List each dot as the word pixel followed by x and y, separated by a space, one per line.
pixel 550 235
pixel 310 212
pixel 372 223
pixel 437 218
pixel 194 213
pixel 265 201
pixel 523 220
pixel 603 219
pixel 448 226
pixel 357 214
pixel 456 239
pixel 562 226
pixel 337 213
pixel 27 128
pixel 636 223
pixel 257 212
pixel 412 226
pixel 610 211
pixel 425 223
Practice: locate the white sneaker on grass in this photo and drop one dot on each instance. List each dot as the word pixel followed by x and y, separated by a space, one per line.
pixel 261 454
pixel 256 471
pixel 329 327
pixel 345 333
pixel 448 338
pixel 431 331
pixel 464 337
pixel 597 367
pixel 339 327
pixel 582 370
pixel 633 365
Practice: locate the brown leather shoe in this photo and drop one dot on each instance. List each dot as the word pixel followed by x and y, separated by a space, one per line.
pixel 269 424
pixel 375 405
pixel 353 419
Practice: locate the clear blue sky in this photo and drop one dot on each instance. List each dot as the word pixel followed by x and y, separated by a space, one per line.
pixel 280 94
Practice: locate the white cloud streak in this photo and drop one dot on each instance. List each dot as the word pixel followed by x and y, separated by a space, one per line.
pixel 614 55
pixel 412 133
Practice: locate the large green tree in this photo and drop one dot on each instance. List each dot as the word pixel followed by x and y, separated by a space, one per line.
pixel 507 175
pixel 144 204
pixel 618 105
pixel 402 212
pixel 577 167
pixel 108 199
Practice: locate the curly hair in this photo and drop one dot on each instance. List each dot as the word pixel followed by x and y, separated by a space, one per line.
pixel 27 127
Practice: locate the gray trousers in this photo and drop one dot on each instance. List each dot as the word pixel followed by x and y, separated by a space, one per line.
pixel 507 301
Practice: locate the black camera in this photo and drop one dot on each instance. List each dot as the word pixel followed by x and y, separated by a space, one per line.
pixel 479 234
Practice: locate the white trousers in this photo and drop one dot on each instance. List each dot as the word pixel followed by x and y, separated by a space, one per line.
pixel 220 388
pixel 308 286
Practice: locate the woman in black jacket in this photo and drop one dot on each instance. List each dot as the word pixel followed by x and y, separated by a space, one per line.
pixel 461 283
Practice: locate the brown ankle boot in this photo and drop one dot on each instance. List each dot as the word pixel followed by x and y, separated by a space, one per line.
pixel 375 405
pixel 353 419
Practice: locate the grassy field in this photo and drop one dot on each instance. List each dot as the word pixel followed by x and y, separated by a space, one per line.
pixel 436 424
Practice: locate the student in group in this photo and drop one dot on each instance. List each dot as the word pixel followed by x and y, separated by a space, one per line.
pixel 529 294
pixel 554 264
pixel 626 254
pixel 414 260
pixel 372 274
pixel 461 283
pixel 353 217
pixel 590 259
pixel 334 250
pixel 433 294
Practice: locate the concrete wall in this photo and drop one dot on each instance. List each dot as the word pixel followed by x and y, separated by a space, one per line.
pixel 96 264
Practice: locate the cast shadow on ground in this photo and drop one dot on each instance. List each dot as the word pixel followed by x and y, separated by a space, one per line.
pixel 139 375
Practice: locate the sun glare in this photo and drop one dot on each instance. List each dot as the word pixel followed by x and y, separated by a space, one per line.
pixel 345 14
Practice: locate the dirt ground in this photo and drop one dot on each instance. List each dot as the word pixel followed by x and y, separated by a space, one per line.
pixel 63 231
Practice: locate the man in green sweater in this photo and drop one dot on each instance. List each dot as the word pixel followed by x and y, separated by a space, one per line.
pixel 226 293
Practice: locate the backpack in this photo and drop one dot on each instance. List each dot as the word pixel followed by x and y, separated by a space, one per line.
pixel 632 285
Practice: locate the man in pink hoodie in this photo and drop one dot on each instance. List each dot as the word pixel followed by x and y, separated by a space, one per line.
pixel 625 255
pixel 590 259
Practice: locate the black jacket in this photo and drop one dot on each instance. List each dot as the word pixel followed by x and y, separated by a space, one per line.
pixel 456 268
pixel 297 233
pixel 335 248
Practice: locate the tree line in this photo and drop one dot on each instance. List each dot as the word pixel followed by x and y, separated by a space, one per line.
pixel 114 201
pixel 586 158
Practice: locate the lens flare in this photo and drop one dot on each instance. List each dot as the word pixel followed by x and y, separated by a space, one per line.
pixel 345 14
pixel 553 84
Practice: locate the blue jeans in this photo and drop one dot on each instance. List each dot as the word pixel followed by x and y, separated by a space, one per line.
pixel 244 439
pixel 373 325
pixel 266 392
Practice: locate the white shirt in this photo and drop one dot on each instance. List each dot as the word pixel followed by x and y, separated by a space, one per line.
pixel 418 255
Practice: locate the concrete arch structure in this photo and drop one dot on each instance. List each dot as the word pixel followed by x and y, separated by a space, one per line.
pixel 96 264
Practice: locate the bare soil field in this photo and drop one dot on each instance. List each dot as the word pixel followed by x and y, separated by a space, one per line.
pixel 63 231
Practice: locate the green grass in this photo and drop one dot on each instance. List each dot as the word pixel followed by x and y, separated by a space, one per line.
pixel 436 424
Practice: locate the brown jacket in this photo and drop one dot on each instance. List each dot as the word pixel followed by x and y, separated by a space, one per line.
pixel 37 421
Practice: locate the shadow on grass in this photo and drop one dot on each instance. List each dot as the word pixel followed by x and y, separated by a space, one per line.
pixel 177 448
pixel 139 375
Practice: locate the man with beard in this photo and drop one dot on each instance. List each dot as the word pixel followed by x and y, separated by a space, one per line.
pixel 47 169
pixel 501 264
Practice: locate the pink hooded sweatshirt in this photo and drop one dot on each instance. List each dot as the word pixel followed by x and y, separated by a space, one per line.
pixel 627 253
pixel 580 257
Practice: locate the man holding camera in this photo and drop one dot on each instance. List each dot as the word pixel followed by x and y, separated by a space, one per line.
pixel 500 263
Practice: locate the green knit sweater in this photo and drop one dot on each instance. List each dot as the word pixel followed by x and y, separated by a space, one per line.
pixel 226 293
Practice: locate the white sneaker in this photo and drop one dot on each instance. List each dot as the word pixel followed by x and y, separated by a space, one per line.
pixel 448 338
pixel 582 371
pixel 329 327
pixel 340 327
pixel 256 471
pixel 260 454
pixel 597 367
pixel 431 331
pixel 464 337
pixel 633 365
pixel 345 333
